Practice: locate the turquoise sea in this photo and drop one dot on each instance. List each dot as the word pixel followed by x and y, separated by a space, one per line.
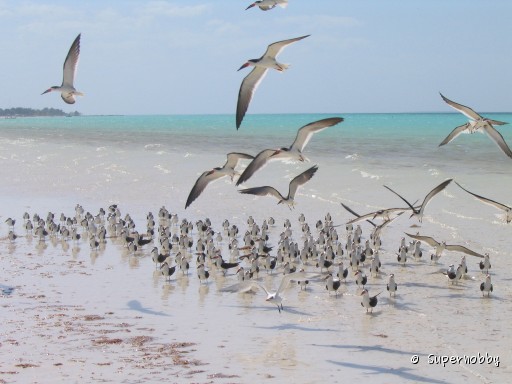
pixel 143 163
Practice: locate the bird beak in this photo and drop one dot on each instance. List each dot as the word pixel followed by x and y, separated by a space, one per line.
pixel 243 66
pixel 250 6
pixel 48 90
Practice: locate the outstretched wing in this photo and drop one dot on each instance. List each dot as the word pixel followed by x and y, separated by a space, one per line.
pixel 305 133
pixel 303 178
pixel 275 49
pixel 434 192
pixel 426 239
pixel 453 134
pixel 70 65
pixel 233 157
pixel 466 111
pixel 201 183
pixel 460 248
pixel 259 162
pixel 263 191
pixel 247 89
pixel 486 200
pixel 495 136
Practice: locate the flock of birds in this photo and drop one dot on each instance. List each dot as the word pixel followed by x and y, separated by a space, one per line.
pixel 325 251
pixel 324 257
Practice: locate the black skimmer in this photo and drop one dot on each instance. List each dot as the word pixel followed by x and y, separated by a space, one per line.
pixel 10 222
pixel 294 185
pixel 392 286
pixel 331 284
pixel 361 278
pixel 12 236
pixel 220 263
pixel 503 207
pixel 440 247
pixel 294 152
pixel 342 272
pixel 253 79
pixel 454 275
pixel 266 5
pixel 476 123
pixel 369 302
pixel 202 273
pixel 486 286
pixel 485 264
pixel 228 169
pixel 67 89
pixel 167 270
pixel 419 211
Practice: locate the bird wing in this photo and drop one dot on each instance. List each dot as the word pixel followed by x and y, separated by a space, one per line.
pixel 409 204
pixel 460 248
pixel 275 48
pixel 259 161
pixel 233 157
pixel 360 218
pixel 263 191
pixel 355 214
pixel 300 275
pixel 305 133
pixel 247 89
pixel 466 111
pixel 453 134
pixel 495 136
pixel 496 122
pixel 303 178
pixel 426 239
pixel 434 192
pixel 68 97
pixel 486 200
pixel 70 65
pixel 206 178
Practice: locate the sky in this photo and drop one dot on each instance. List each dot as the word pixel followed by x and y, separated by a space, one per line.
pixel 182 56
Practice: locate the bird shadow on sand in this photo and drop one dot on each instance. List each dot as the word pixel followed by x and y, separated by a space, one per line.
pixel 135 305
pixel 369 348
pixel 402 372
pixel 6 290
pixel 296 327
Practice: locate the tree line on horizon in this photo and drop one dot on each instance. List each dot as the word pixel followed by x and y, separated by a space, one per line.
pixel 24 112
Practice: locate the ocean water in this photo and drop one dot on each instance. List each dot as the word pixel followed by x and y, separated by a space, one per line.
pixel 145 162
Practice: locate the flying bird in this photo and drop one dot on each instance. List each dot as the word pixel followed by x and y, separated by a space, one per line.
pixel 266 5
pixel 503 207
pixel 253 79
pixel 476 123
pixel 430 195
pixel 294 152
pixel 294 185
pixel 228 169
pixel 67 89
pixel 441 246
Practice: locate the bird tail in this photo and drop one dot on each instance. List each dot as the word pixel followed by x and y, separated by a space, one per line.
pixel 283 67
pixel 284 4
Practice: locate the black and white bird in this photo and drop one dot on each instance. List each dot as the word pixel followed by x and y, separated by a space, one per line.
pixel 476 123
pixel 202 273
pixel 266 5
pixel 369 302
pixel 361 278
pixel 298 181
pixel 392 286
pixel 441 246
pixel 331 284
pixel 505 208
pixel 293 152
pixel 418 212
pixel 67 89
pixel 486 286
pixel 485 264
pixel 454 275
pixel 253 79
pixel 228 169
pixel 167 270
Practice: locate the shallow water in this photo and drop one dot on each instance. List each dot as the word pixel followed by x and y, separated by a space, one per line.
pixel 61 305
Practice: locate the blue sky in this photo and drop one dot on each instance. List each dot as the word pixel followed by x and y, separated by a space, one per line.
pixel 181 57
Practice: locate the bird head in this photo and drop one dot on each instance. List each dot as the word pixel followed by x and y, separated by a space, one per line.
pixel 252 5
pixel 244 66
pixel 50 89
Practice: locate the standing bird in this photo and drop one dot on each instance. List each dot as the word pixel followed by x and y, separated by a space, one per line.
pixel 486 286
pixel 361 278
pixel 202 273
pixel 392 286
pixel 299 180
pixel 294 152
pixel 67 89
pixel 266 5
pixel 419 211
pixel 228 169
pixel 503 207
pixel 369 302
pixel 167 270
pixel 331 284
pixel 476 123
pixel 485 264
pixel 253 79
